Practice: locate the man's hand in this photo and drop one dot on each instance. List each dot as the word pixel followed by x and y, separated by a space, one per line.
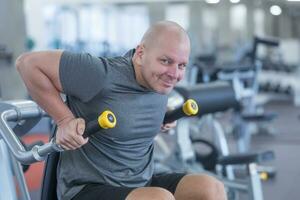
pixel 166 127
pixel 69 133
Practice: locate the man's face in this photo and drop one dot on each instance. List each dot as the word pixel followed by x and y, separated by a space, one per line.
pixel 164 65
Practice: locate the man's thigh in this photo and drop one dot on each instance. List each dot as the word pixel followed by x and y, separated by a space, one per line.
pixel 167 181
pixel 107 192
pixel 103 192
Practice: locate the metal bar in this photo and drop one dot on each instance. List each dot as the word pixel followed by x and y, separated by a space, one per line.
pixel 12 140
pixel 23 110
pixel 7 186
pixel 220 140
pixel 18 171
pixel 255 182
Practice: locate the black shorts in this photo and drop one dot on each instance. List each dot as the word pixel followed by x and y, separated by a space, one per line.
pixel 107 192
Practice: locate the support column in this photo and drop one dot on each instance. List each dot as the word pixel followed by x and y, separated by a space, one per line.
pixel 285 25
pixel 156 11
pixel 250 19
pixel 13 36
pixel 268 21
pixel 223 9
pixel 196 26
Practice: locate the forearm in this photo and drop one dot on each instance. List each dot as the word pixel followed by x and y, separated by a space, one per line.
pixel 42 90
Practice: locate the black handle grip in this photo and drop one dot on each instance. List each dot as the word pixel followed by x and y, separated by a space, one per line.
pixel 91 127
pixel 189 108
pixel 267 41
pixel 106 120
pixel 264 41
pixel 173 115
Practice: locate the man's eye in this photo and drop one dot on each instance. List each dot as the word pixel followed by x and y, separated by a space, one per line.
pixel 182 66
pixel 164 61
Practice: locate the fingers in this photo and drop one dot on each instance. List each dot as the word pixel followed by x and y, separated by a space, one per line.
pixel 168 126
pixel 80 131
pixel 69 135
pixel 80 126
pixel 66 146
pixel 174 124
pixel 163 128
pixel 70 143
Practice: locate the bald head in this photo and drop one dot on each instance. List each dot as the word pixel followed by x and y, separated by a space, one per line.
pixel 162 31
pixel 159 60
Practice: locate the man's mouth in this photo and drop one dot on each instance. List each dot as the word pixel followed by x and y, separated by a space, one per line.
pixel 168 83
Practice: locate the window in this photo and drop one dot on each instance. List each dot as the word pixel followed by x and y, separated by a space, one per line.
pixel 178 13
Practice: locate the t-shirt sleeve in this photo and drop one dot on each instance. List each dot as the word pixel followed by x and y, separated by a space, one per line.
pixel 82 75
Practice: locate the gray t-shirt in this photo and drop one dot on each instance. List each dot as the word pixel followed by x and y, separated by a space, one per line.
pixel 122 156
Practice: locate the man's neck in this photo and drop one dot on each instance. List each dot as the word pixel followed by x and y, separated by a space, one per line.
pixel 137 73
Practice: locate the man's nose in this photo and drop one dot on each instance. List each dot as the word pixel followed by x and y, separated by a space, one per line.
pixel 173 71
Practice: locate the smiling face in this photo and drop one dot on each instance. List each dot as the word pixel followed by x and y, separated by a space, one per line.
pixel 161 64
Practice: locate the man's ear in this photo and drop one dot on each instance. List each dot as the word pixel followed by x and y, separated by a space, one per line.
pixel 139 53
pixel 140 49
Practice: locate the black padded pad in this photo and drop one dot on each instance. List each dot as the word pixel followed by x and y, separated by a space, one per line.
pixel 236 68
pixel 246 158
pixel 211 97
pixel 263 117
pixel 49 180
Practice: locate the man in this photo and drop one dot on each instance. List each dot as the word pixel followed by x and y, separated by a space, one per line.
pixel 115 163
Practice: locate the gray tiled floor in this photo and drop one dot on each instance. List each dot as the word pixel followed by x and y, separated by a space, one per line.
pixel 286 145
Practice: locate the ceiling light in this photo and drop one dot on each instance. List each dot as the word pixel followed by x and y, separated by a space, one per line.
pixel 212 1
pixel 275 10
pixel 234 1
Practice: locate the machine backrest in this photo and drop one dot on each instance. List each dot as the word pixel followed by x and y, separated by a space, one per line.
pixel 49 180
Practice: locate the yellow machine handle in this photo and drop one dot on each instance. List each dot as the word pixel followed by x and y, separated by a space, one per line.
pixel 107 120
pixel 190 107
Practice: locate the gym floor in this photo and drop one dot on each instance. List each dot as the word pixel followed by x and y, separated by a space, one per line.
pixel 286 145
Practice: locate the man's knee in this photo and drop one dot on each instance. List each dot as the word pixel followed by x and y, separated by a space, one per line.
pixel 150 193
pixel 200 187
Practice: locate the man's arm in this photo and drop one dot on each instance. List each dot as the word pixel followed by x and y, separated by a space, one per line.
pixel 40 72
